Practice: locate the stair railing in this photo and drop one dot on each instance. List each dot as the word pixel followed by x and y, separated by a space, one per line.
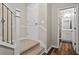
pixel 9 12
pixel 16 25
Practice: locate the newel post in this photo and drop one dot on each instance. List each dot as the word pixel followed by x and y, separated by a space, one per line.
pixel 17 34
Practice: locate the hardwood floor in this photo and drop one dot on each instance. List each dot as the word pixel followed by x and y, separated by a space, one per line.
pixel 64 49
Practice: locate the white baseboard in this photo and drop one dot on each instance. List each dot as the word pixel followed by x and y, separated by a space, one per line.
pixel 49 48
pixel 46 51
pixel 55 46
pixel 52 46
pixel 66 40
pixel 42 52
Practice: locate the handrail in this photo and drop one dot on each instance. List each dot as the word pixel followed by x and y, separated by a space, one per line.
pixel 8 8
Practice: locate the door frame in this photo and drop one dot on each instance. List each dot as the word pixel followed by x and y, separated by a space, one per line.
pixel 77 30
pixel 76 25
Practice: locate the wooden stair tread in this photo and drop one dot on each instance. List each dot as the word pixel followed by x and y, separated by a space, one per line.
pixel 27 44
pixel 34 51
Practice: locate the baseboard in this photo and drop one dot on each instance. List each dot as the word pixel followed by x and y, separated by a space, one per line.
pixel 55 46
pixel 66 40
pixel 42 52
pixel 49 49
pixel 52 46
pixel 46 51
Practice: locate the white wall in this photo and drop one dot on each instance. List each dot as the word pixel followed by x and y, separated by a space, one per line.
pixel 45 29
pixel 43 24
pixel 49 25
pixel 37 11
pixel 41 12
pixel 32 16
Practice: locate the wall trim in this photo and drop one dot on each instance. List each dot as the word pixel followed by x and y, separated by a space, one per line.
pixel 52 46
pixel 55 46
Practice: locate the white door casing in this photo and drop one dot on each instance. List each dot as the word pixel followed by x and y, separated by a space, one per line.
pixel 74 30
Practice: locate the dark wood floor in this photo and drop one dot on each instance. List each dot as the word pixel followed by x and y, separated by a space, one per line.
pixel 65 48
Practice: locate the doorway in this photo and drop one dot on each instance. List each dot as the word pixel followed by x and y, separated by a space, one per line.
pixel 68 26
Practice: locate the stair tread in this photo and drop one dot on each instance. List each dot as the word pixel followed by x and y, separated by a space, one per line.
pixel 34 51
pixel 27 44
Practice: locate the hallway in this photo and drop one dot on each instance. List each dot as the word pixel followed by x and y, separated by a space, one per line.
pixel 64 49
pixel 43 23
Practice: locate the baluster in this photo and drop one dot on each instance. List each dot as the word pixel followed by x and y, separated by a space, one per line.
pixel 11 15
pixel 7 27
pixel 11 30
pixel 2 22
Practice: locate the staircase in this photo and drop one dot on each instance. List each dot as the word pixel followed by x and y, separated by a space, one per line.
pixel 30 47
pixel 6 26
pixel 9 35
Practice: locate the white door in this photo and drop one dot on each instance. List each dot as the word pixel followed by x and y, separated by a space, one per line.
pixel 69 25
pixel 32 21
